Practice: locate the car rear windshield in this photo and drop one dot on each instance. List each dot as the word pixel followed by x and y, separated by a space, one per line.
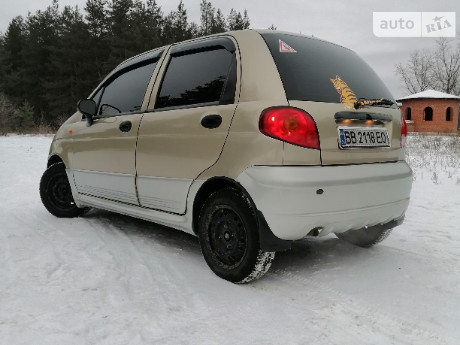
pixel 315 70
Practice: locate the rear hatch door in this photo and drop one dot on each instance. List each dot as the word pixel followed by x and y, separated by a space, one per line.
pixel 326 80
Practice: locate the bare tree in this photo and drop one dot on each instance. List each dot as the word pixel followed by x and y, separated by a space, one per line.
pixel 417 74
pixel 446 67
pixel 438 69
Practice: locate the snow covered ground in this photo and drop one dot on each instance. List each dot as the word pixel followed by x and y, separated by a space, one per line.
pixel 111 279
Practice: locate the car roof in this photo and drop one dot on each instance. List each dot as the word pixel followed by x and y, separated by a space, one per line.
pixel 237 34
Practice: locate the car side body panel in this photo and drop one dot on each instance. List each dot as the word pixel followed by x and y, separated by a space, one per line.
pixel 172 156
pixel 102 157
pixel 173 149
pixel 261 88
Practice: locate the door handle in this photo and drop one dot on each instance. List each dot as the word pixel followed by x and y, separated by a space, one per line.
pixel 125 126
pixel 211 121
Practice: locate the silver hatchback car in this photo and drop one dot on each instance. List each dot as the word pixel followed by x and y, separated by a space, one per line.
pixel 248 139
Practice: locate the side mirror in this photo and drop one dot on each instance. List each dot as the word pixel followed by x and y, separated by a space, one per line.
pixel 88 108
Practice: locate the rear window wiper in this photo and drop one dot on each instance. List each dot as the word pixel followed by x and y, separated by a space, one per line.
pixel 381 101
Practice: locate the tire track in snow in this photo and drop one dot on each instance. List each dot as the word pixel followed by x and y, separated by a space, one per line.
pixel 179 302
pixel 129 253
pixel 135 245
pixel 134 277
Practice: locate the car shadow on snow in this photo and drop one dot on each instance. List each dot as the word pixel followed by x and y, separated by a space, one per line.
pixel 316 255
pixel 154 232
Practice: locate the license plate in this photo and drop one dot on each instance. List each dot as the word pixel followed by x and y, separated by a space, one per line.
pixel 363 137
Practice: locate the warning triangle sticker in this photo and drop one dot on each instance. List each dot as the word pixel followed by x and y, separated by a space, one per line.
pixel 286 48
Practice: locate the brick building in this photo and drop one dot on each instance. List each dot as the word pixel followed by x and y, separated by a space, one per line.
pixel 431 111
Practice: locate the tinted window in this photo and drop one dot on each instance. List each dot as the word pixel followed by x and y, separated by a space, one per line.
pixel 125 93
pixel 196 78
pixel 319 71
pixel 97 96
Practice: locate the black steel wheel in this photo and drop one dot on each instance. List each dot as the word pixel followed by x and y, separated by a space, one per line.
pixel 229 238
pixel 56 194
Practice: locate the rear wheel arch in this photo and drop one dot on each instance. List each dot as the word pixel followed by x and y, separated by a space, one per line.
pixel 267 240
pixel 53 160
pixel 208 188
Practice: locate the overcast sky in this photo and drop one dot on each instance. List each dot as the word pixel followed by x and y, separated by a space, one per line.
pixel 346 22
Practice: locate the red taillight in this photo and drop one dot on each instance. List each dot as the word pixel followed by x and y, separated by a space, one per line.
pixel 289 124
pixel 403 133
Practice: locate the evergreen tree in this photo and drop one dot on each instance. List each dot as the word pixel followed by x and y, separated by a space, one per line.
pixel 207 17
pixel 24 117
pixel 71 62
pixel 3 69
pixel 120 31
pixel 146 22
pixel 194 30
pixel 52 58
pixel 7 112
pixel 236 21
pixel 220 25
pixel 246 21
pixel 11 60
pixel 176 27
pixel 13 118
pixel 96 18
pixel 98 44
pixel 41 35
pixel 154 23
pixel 211 22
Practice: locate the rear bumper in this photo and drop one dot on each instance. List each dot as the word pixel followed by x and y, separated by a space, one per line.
pixel 297 199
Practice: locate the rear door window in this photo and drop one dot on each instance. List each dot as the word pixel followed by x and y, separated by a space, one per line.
pixel 315 70
pixel 201 75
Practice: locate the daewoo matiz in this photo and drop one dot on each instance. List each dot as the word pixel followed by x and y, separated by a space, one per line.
pixel 249 140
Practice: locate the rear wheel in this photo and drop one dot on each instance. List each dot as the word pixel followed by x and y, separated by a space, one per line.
pixel 229 238
pixel 56 193
pixel 365 237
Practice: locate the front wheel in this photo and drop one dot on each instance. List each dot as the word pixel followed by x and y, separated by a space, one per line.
pixel 364 237
pixel 229 238
pixel 56 193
